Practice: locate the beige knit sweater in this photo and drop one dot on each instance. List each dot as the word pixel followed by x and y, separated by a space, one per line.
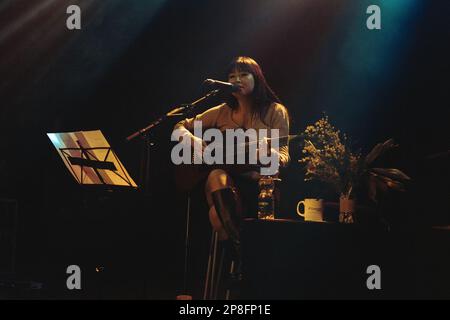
pixel 220 117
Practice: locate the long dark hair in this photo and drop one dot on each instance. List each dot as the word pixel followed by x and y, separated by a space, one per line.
pixel 262 95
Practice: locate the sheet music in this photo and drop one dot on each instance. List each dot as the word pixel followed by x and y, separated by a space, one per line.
pixel 69 144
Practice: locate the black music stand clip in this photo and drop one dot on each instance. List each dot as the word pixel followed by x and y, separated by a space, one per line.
pixel 90 159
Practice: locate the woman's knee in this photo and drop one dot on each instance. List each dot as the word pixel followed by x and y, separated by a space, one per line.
pixel 218 179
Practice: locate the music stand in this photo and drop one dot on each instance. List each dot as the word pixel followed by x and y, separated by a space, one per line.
pixel 92 162
pixel 90 159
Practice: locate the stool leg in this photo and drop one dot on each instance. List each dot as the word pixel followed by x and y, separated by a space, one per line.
pixel 219 273
pixel 209 279
pixel 227 294
pixel 213 269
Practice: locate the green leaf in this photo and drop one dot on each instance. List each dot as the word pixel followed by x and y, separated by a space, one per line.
pixel 391 173
pixel 392 183
pixel 372 188
pixel 381 185
pixel 374 153
pixel 379 149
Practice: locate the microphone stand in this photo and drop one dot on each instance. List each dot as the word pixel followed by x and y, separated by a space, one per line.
pixel 178 111
pixel 149 142
pixel 145 133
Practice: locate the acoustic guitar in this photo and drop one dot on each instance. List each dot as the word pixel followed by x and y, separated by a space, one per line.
pixel 187 176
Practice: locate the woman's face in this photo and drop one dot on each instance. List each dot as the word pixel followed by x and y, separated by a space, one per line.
pixel 244 80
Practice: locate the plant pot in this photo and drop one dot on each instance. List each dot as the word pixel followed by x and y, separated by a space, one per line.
pixel 347 208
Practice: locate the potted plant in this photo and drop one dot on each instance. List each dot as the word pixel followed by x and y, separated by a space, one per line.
pixel 329 158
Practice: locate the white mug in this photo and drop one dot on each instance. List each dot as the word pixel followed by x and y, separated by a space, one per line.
pixel 313 209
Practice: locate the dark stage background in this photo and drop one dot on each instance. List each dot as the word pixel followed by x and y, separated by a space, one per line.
pixel 134 60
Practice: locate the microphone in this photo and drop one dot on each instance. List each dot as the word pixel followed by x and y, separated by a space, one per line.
pixel 222 85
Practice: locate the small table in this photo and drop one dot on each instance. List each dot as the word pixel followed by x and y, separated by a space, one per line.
pixel 292 259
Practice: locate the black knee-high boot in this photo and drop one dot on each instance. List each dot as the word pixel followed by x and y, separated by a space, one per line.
pixel 225 204
pixel 226 208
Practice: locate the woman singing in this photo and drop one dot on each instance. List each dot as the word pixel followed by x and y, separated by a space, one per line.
pixel 256 106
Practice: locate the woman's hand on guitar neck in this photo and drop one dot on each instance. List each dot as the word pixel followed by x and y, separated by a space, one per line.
pixel 264 150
